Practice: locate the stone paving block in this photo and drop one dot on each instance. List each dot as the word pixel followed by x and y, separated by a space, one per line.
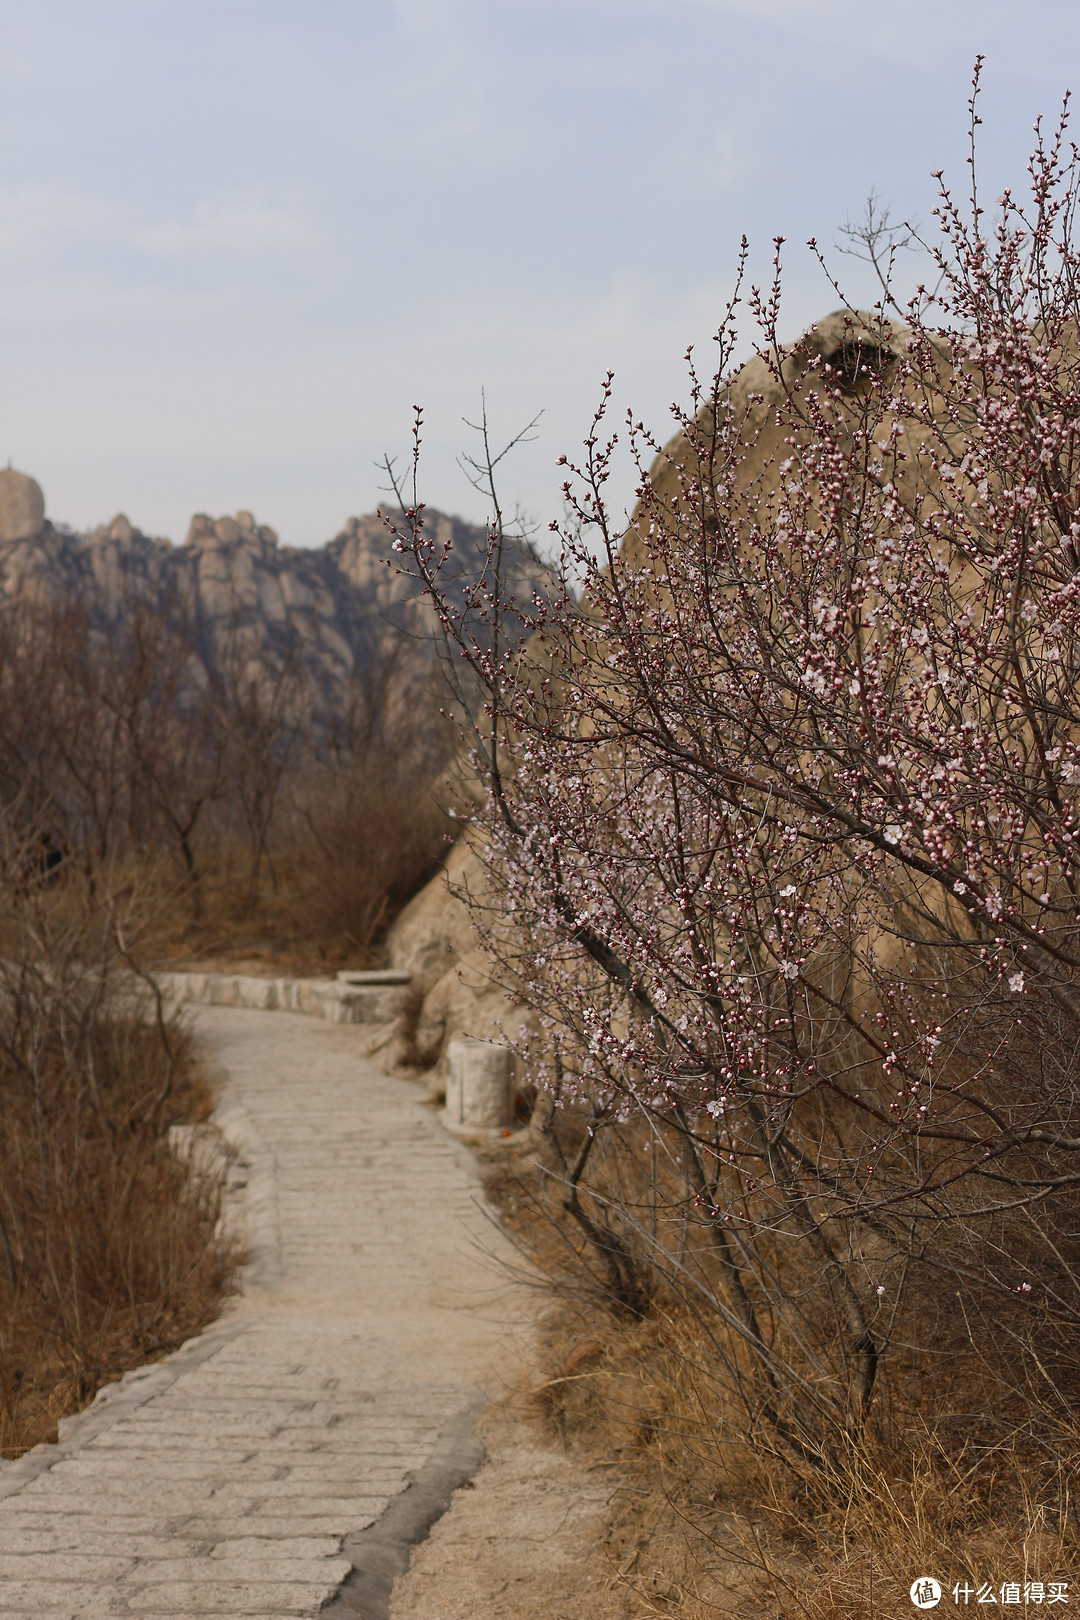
pixel 268 1527
pixel 72 1527
pixel 70 1598
pixel 136 1445
pixel 43 1566
pixel 133 1546
pixel 181 1466
pixel 242 1598
pixel 169 1426
pixel 130 1499
pixel 298 1501
pixel 286 1452
pixel 44 1611
pixel 358 1477
pixel 31 1540
pixel 254 1569
pixel 282 1547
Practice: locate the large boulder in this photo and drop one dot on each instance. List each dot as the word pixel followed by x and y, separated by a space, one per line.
pixel 456 997
pixel 433 937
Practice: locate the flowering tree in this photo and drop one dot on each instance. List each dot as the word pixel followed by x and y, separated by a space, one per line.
pixel 781 837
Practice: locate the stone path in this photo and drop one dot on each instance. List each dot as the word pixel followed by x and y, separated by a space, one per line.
pixel 228 1479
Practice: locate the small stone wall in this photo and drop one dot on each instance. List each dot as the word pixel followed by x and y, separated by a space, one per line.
pixel 351 998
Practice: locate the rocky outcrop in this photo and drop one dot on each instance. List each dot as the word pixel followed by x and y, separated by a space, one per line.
pixel 22 506
pixel 235 589
pixel 847 343
pixel 433 937
pixel 455 995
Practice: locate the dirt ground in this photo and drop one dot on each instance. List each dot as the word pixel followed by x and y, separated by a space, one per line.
pixel 525 1540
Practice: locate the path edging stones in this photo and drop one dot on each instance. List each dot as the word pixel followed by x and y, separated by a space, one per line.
pixel 263 1268
pixel 375 998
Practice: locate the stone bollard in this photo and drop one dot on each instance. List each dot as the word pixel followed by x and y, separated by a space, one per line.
pixel 479 1087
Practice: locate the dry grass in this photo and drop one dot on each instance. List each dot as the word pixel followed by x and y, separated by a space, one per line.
pixel 110 1254
pixel 267 818
pixel 705 1524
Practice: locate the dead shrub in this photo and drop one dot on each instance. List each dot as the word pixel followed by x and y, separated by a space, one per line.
pixel 278 815
pixel 959 1476
pixel 367 839
pixel 111 1253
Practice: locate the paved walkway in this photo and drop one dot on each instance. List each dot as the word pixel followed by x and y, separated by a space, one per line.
pixel 227 1480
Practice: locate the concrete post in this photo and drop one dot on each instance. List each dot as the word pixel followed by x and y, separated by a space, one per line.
pixel 479 1085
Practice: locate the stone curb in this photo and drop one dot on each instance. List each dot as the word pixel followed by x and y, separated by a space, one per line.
pixel 381 1553
pixel 339 1001
pixel 263 1268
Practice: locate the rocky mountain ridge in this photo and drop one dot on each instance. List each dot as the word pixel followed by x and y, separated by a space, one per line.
pixel 338 606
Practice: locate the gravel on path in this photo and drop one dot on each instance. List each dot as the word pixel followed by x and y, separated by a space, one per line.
pixel 374 1322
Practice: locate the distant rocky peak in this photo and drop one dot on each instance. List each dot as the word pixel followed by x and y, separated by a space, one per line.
pixel 338 608
pixel 22 505
pixel 205 531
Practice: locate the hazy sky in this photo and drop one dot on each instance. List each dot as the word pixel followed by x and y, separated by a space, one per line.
pixel 240 238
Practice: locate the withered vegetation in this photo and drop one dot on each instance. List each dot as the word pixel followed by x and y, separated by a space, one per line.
pixel 968 1471
pixel 271 818
pixel 111 1252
